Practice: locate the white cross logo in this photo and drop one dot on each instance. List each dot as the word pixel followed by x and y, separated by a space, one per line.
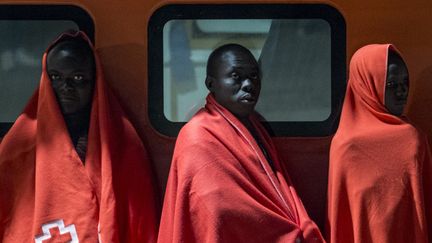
pixel 62 229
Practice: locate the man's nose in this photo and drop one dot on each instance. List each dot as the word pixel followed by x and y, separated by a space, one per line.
pixel 402 91
pixel 247 85
pixel 67 83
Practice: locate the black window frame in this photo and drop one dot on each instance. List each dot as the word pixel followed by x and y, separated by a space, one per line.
pixel 46 12
pixel 249 11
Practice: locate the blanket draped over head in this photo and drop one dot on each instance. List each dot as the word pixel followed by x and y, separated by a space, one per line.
pixel 48 195
pixel 221 188
pixel 380 174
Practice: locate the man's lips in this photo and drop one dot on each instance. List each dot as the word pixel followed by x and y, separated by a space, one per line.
pixel 401 102
pixel 67 99
pixel 248 98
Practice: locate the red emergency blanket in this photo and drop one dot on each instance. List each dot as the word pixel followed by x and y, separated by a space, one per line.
pixel 380 173
pixel 48 195
pixel 221 188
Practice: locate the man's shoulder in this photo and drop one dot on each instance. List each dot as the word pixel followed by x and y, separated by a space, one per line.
pixel 198 126
pixel 200 136
pixel 195 145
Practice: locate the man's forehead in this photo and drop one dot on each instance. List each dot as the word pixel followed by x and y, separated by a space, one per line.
pixel 237 58
pixel 236 52
pixel 68 52
pixel 66 55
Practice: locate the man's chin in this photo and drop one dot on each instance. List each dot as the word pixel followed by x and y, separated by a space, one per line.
pixel 67 110
pixel 244 114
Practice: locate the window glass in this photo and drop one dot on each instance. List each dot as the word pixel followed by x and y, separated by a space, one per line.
pixel 294 54
pixel 22 45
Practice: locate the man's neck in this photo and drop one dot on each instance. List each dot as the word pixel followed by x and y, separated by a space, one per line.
pixel 248 124
pixel 77 123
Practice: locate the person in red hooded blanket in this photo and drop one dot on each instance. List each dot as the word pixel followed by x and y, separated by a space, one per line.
pixel 226 183
pixel 380 173
pixel 72 167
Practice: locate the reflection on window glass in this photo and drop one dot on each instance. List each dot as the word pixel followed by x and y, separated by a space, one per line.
pixel 294 54
pixel 22 45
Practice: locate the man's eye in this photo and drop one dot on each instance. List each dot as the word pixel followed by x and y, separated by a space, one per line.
pixel 78 77
pixel 390 84
pixel 55 77
pixel 235 76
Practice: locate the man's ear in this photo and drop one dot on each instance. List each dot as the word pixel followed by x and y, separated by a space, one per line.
pixel 209 83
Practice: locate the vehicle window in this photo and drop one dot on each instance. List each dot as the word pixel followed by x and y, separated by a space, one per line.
pixel 300 48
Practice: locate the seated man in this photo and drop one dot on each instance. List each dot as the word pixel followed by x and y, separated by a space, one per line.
pixel 72 168
pixel 226 183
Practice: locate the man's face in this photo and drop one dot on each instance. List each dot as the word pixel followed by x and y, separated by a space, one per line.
pixel 237 83
pixel 397 84
pixel 72 78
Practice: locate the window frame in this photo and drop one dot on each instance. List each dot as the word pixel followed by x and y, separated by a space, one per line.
pixel 46 12
pixel 249 11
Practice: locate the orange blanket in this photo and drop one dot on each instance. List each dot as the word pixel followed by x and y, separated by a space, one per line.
pixel 380 187
pixel 222 189
pixel 48 195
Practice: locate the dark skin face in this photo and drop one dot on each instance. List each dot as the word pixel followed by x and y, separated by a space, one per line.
pixel 397 84
pixel 72 77
pixel 235 82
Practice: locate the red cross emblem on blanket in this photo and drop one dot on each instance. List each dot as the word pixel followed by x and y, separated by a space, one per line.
pixel 56 231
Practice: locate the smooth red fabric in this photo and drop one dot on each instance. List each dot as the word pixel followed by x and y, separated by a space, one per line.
pixel 43 181
pixel 222 189
pixel 380 171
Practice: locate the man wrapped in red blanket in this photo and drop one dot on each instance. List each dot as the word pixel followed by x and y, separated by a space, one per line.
pixel 72 168
pixel 226 183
